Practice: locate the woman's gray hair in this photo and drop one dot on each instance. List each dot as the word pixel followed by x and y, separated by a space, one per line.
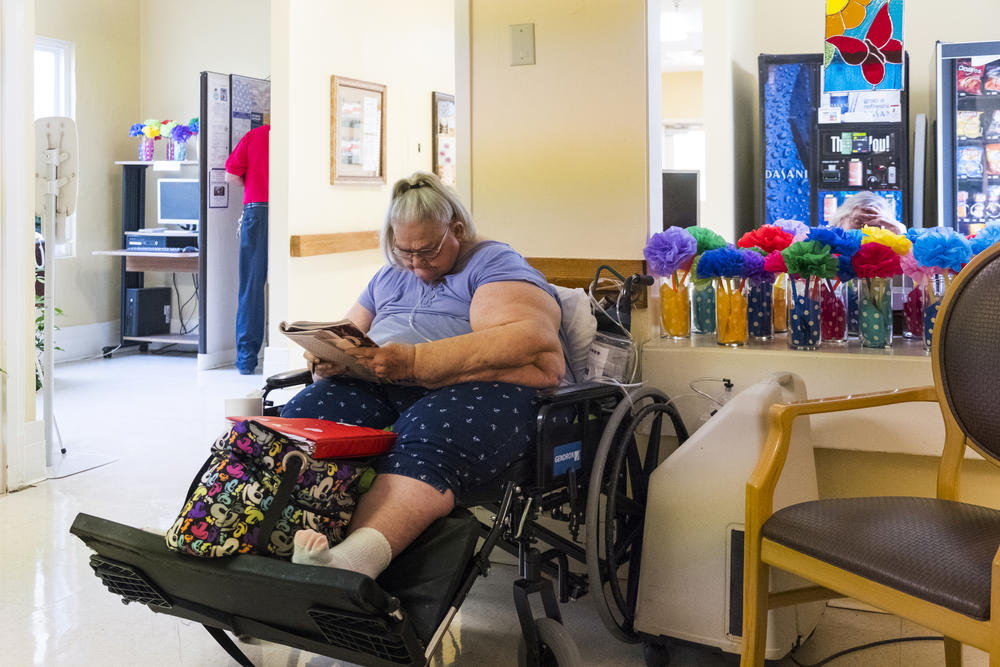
pixel 863 199
pixel 422 198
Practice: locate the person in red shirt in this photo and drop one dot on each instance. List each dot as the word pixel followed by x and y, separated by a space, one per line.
pixel 248 164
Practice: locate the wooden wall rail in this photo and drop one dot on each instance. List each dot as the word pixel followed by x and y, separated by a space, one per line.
pixel 307 245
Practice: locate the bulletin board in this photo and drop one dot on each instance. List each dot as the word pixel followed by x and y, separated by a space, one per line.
pixel 357 131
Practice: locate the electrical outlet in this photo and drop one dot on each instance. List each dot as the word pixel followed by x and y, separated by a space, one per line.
pixel 522 44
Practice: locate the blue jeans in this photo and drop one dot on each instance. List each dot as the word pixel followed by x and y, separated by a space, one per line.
pixel 253 275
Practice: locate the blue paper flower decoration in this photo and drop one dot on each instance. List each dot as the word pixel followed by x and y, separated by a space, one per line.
pixel 986 237
pixel 913 232
pixel 845 270
pixel 669 251
pixel 753 266
pixel 721 263
pixel 840 242
pixel 942 248
pixel 136 130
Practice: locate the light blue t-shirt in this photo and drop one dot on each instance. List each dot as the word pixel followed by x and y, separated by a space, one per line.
pixel 408 310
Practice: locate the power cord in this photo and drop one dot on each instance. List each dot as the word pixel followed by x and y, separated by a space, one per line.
pixel 855 649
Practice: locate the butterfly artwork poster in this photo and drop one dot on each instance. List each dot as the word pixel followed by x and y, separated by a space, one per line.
pixel 863 49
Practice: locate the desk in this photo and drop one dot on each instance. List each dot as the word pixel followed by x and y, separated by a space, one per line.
pixel 170 262
pixel 830 371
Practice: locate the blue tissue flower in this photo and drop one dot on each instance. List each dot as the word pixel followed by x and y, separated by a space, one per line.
pixel 840 242
pixel 986 237
pixel 721 263
pixel 942 248
pixel 845 269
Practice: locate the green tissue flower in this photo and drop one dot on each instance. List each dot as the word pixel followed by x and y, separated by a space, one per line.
pixel 706 238
pixel 810 258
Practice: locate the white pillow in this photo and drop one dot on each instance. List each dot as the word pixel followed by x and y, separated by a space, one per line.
pixel 576 331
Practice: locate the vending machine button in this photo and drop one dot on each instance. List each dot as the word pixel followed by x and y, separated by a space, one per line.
pixel 892 175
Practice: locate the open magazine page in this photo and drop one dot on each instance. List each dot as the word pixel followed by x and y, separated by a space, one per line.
pixel 329 341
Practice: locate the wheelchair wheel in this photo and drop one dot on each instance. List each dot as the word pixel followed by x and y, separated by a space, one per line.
pixel 557 648
pixel 616 504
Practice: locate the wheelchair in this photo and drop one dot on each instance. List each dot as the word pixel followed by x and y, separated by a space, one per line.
pixel 593 456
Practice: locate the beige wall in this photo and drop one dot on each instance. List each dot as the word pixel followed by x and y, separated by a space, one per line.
pixel 681 95
pixel 559 148
pixel 406 46
pixel 106 36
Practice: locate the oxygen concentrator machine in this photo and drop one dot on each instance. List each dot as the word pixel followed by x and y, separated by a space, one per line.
pixel 691 577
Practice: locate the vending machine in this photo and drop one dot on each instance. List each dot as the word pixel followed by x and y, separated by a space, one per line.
pixel 820 148
pixel 968 134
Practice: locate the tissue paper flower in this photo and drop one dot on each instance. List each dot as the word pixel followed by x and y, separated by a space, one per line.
pixel 875 260
pixel 151 132
pixel 798 230
pixel 845 269
pixel 193 125
pixel 897 243
pixel 942 248
pixel 913 270
pixel 167 127
pixel 840 242
pixel 775 262
pixel 753 267
pixel 706 238
pixel 810 258
pixel 767 237
pixel 986 237
pixel 913 232
pixel 670 250
pixel 721 263
pixel 181 133
pixel 136 130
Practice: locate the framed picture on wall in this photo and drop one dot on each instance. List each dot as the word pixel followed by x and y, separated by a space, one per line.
pixel 443 119
pixel 357 131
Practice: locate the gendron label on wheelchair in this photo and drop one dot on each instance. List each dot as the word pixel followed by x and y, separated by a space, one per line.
pixel 566 457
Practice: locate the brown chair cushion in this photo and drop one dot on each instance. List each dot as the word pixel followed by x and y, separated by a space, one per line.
pixel 937 550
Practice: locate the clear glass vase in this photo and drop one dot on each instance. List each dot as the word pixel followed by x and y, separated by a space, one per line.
pixel 933 293
pixel 804 313
pixel 703 307
pixel 180 150
pixel 146 146
pixel 875 312
pixel 759 310
pixel 730 312
pixel 833 311
pixel 170 149
pixel 779 303
pixel 675 309
pixel 853 327
pixel 913 312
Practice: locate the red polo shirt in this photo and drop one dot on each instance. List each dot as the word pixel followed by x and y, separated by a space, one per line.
pixel 249 160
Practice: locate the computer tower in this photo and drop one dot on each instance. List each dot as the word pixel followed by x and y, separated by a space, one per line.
pixel 147 311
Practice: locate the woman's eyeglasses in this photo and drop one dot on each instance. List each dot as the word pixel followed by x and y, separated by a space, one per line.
pixel 426 254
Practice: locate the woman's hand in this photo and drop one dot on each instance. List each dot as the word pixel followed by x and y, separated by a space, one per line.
pixel 322 369
pixel 393 361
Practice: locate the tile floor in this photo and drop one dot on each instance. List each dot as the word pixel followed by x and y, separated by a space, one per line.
pixel 156 415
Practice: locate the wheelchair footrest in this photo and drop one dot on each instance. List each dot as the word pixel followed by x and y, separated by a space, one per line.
pixel 365 634
pixel 131 584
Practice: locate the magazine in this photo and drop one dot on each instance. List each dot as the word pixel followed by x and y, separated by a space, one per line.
pixel 329 342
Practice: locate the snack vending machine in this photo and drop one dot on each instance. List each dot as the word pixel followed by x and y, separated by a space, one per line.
pixel 968 135
pixel 820 148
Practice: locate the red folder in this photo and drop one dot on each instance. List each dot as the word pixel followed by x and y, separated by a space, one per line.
pixel 327 439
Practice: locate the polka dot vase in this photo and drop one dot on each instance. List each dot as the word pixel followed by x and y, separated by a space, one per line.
pixel 833 311
pixel 759 310
pixel 913 313
pixel 675 309
pixel 853 327
pixel 932 294
pixel 779 303
pixel 703 307
pixel 804 314
pixel 146 146
pixel 875 312
pixel 730 313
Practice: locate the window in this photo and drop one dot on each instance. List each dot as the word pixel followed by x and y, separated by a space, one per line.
pixel 55 95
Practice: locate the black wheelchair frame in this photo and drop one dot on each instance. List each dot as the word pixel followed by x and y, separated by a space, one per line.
pixel 400 618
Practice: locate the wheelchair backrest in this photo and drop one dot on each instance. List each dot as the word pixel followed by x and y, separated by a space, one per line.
pixel 576 331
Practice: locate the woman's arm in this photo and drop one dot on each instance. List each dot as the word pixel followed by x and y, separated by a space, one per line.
pixel 515 338
pixel 320 369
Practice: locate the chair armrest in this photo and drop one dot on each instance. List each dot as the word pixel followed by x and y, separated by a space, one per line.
pixel 580 391
pixel 288 379
pixel 760 487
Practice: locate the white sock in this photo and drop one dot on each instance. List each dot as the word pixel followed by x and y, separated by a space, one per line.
pixel 365 551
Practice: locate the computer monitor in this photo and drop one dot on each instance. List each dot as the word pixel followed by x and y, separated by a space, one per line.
pixel 680 198
pixel 178 202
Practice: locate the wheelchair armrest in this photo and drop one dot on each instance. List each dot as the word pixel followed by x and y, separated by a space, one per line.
pixel 580 391
pixel 288 379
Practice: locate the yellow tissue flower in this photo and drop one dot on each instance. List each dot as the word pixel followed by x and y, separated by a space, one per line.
pixel 899 244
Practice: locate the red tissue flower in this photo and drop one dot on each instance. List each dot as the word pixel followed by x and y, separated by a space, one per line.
pixel 874 260
pixel 767 237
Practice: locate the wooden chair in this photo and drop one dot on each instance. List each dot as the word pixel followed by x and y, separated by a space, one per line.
pixel 931 560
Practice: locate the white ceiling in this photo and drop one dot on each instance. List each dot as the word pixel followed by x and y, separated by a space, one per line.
pixel 680 36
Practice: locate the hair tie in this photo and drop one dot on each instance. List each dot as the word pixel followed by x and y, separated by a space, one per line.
pixel 419 184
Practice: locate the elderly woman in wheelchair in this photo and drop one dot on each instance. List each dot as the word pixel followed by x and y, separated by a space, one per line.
pixel 468 332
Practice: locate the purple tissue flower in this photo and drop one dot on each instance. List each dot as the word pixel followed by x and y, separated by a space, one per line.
pixel 942 248
pixel 798 230
pixel 753 267
pixel 180 133
pixel 670 250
